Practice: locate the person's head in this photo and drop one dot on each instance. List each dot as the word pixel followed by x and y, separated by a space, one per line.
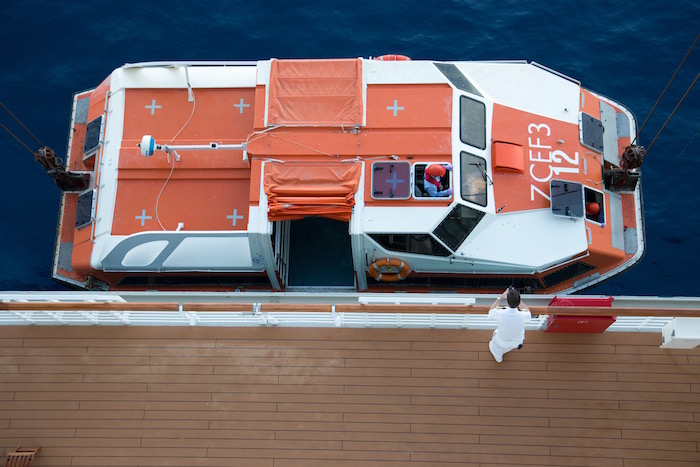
pixel 436 170
pixel 513 297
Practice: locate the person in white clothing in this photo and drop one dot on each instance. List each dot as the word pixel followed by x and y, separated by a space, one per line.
pixel 510 331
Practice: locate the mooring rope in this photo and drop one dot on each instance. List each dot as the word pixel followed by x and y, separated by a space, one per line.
pixel 22 125
pixel 15 137
pixel 674 111
pixel 634 141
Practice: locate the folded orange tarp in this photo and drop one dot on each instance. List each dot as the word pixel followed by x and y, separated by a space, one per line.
pixel 318 190
pixel 315 92
pixel 299 189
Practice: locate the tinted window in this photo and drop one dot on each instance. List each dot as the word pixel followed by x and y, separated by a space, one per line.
pixel 456 77
pixel 473 177
pixel 92 135
pixel 472 122
pixel 591 132
pixel 83 214
pixel 458 225
pixel 419 244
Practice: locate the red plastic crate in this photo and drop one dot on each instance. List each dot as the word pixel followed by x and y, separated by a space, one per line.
pixel 580 324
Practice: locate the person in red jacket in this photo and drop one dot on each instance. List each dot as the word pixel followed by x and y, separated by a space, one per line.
pixel 431 180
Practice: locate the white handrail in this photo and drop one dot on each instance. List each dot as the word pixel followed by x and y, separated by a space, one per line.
pixel 295 319
pixel 176 64
pixel 291 310
pixel 421 299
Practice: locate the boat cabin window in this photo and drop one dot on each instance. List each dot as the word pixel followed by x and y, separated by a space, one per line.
pixel 457 226
pixel 473 178
pixel 591 132
pixel 83 212
pixel 566 198
pixel 416 243
pixel 93 136
pixel 594 205
pixel 472 126
pixel 456 77
pixel 419 190
pixel 391 180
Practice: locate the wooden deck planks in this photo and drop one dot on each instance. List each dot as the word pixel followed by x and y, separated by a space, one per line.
pixel 288 397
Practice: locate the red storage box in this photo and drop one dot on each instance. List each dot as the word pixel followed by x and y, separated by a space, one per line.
pixel 581 301
pixel 581 324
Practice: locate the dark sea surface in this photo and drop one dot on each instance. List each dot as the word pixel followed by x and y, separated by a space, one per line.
pixel 625 50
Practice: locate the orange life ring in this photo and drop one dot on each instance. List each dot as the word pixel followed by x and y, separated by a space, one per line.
pixel 390 264
pixel 392 58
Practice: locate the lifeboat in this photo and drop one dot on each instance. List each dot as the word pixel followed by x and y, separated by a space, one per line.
pixel 377 175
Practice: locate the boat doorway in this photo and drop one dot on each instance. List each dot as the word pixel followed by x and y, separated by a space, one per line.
pixel 314 252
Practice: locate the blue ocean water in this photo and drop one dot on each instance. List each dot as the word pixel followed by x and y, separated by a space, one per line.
pixel 625 50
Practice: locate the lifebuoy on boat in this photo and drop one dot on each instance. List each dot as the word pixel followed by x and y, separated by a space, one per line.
pixel 396 270
pixel 392 58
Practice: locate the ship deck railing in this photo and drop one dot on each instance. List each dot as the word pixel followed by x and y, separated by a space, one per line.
pixel 423 311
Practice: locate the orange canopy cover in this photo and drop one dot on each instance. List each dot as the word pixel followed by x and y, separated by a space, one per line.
pixel 315 92
pixel 300 189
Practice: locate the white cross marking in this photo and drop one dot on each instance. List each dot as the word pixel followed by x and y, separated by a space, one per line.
pixel 395 181
pixel 235 217
pixel 153 107
pixel 143 217
pixel 395 107
pixel 241 105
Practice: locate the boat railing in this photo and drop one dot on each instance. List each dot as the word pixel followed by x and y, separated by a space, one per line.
pixel 176 64
pixel 439 312
pixel 555 72
pixel 516 61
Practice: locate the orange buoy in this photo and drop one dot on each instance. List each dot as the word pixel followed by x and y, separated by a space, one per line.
pixel 392 58
pixel 403 270
pixel 592 208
